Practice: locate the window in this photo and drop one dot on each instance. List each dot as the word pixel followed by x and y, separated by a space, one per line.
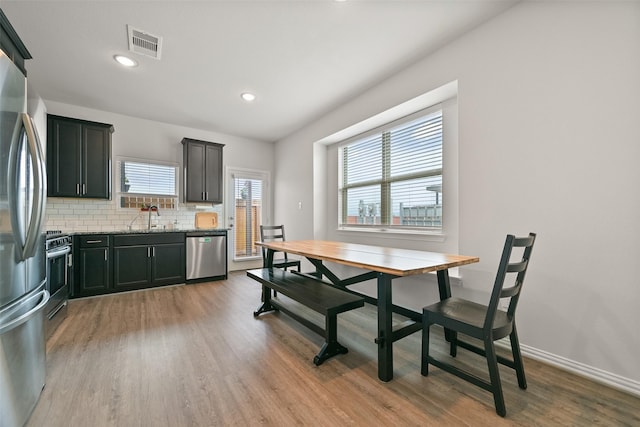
pixel 141 177
pixel 248 193
pixel 393 178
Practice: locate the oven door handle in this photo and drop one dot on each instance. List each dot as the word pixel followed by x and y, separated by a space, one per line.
pixel 59 253
pixel 57 310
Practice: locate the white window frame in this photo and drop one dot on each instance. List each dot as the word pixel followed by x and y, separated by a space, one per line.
pixel 118 179
pixel 386 204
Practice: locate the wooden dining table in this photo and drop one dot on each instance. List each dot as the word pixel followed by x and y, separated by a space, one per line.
pixel 383 264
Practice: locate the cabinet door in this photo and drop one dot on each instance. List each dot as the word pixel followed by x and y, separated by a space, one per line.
pixel 195 177
pixel 213 177
pixel 63 158
pixel 78 158
pixel 96 161
pixel 203 171
pixel 93 271
pixel 168 264
pixel 131 267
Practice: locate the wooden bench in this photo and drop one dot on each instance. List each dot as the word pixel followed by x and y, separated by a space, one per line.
pixel 315 294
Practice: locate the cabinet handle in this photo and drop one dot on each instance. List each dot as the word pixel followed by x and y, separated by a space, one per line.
pixel 78 189
pixel 148 252
pixel 106 254
pixel 153 252
pixel 93 241
pixel 84 189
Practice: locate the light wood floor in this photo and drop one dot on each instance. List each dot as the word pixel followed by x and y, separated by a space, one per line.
pixel 195 356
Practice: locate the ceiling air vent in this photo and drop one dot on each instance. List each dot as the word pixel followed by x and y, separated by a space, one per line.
pixel 144 43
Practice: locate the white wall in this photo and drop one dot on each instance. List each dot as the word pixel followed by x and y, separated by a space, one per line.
pixel 145 139
pixel 549 96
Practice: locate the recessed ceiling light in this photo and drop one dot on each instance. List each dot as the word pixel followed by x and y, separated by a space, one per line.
pixel 126 61
pixel 248 96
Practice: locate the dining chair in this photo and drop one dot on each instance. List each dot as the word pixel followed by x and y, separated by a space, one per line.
pixel 486 323
pixel 273 233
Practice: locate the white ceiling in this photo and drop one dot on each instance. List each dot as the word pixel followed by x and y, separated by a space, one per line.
pixel 300 58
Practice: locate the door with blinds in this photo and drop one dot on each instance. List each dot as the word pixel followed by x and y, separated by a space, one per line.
pixel 247 210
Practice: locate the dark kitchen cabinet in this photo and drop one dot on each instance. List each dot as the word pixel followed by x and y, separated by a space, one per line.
pixel 11 44
pixel 78 158
pixel 146 260
pixel 92 265
pixel 107 263
pixel 202 163
pixel 131 267
pixel 168 264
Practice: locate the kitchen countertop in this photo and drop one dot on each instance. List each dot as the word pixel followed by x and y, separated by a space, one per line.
pixel 153 231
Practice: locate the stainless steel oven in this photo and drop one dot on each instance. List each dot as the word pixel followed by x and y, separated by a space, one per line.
pixel 58 246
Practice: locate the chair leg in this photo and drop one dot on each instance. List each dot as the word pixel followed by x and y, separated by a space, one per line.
pixel 453 344
pixel 494 375
pixel 517 358
pixel 424 365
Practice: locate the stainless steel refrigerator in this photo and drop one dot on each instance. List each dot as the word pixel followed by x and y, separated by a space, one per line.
pixel 22 257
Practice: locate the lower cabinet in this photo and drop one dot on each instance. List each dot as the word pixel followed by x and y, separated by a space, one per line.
pixel 92 265
pixel 124 262
pixel 132 267
pixel 164 268
pixel 146 260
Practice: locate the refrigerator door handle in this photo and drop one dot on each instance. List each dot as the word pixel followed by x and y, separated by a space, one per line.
pixel 12 191
pixel 13 323
pixel 40 187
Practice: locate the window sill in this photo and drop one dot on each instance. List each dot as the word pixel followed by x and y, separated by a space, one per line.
pixel 137 201
pixel 248 258
pixel 395 233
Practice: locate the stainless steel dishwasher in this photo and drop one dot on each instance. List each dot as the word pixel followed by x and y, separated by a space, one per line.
pixel 206 255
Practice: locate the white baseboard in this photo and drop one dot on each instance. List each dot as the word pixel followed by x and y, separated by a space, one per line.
pixel 595 374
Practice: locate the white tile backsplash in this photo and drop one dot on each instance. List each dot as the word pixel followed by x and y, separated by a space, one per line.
pixel 87 215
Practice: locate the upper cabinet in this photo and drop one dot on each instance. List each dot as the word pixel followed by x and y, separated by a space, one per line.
pixel 202 171
pixel 78 158
pixel 11 44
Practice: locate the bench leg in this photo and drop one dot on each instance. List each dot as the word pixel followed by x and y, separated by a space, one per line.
pixel 266 302
pixel 331 346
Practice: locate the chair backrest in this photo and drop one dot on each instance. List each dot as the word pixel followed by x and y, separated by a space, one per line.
pixel 508 268
pixel 271 233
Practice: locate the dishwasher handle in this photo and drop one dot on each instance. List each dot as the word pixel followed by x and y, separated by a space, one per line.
pixel 211 233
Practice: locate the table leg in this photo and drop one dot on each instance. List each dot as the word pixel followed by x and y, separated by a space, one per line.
pixel 443 284
pixel 444 287
pixel 268 261
pixel 385 328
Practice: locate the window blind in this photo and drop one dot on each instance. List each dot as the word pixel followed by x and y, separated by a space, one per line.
pixel 148 178
pixel 394 177
pixel 248 216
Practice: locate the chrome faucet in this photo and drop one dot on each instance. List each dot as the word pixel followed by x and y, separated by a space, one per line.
pixel 130 226
pixel 152 207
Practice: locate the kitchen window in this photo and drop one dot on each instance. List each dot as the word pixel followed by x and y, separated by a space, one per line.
pixel 391 178
pixel 143 177
pixel 140 181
